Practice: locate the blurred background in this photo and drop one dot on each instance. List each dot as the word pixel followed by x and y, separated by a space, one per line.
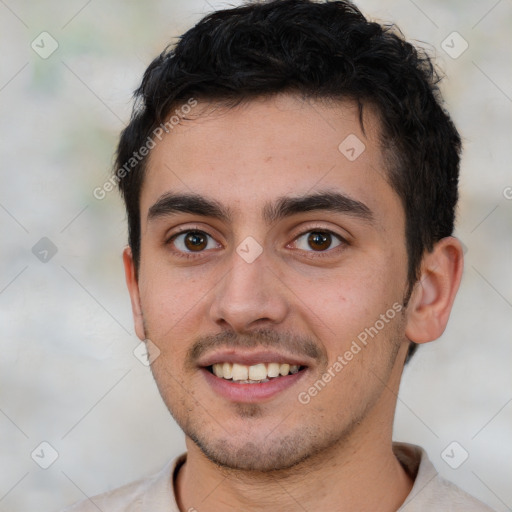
pixel 69 377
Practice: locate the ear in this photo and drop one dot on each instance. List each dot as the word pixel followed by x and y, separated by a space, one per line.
pixel 133 287
pixel 433 295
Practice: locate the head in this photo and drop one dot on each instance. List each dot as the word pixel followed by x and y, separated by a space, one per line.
pixel 315 141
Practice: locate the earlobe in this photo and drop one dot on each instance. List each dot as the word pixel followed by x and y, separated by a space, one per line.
pixel 133 288
pixel 433 295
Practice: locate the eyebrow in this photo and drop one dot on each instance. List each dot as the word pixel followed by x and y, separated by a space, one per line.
pixel 324 201
pixel 172 203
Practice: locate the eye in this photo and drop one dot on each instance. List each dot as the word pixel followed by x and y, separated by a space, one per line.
pixel 193 241
pixel 318 241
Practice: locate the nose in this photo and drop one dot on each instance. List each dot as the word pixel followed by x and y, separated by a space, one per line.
pixel 249 295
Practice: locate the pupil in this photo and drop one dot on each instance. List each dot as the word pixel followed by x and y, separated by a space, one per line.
pixel 319 241
pixel 195 241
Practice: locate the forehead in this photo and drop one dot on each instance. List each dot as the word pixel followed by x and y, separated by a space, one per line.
pixel 245 156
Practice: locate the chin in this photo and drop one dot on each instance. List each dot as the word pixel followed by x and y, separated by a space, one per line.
pixel 281 454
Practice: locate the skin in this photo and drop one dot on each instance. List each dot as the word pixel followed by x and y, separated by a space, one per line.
pixel 254 456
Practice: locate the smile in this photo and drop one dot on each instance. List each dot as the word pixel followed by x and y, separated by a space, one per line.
pixel 259 382
pixel 253 374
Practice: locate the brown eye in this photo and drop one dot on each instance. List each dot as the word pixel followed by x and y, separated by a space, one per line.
pixel 193 241
pixel 319 241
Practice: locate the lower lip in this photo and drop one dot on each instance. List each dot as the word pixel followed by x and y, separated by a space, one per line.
pixel 251 392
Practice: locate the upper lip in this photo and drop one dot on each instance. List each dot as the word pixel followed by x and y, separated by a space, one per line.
pixel 249 358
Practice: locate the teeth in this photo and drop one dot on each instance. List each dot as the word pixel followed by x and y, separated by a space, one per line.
pixel 273 370
pixel 256 373
pixel 239 372
pixel 227 370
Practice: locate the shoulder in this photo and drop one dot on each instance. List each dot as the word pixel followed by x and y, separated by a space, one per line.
pixel 430 490
pixel 153 492
pixel 440 494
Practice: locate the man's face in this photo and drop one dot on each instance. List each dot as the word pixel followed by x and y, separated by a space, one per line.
pixel 269 275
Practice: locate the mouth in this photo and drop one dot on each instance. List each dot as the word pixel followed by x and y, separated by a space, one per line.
pixel 254 374
pixel 252 378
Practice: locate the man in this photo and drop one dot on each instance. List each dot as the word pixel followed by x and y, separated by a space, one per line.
pixel 290 179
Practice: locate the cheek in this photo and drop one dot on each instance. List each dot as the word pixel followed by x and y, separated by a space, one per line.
pixel 344 312
pixel 346 301
pixel 170 296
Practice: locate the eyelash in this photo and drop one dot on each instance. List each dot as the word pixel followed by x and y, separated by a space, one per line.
pixel 315 254
pixel 182 254
pixel 322 254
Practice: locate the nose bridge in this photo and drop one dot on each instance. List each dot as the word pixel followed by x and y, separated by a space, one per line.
pixel 245 280
pixel 248 292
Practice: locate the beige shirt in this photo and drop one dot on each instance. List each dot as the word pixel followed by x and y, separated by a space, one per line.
pixel 155 493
